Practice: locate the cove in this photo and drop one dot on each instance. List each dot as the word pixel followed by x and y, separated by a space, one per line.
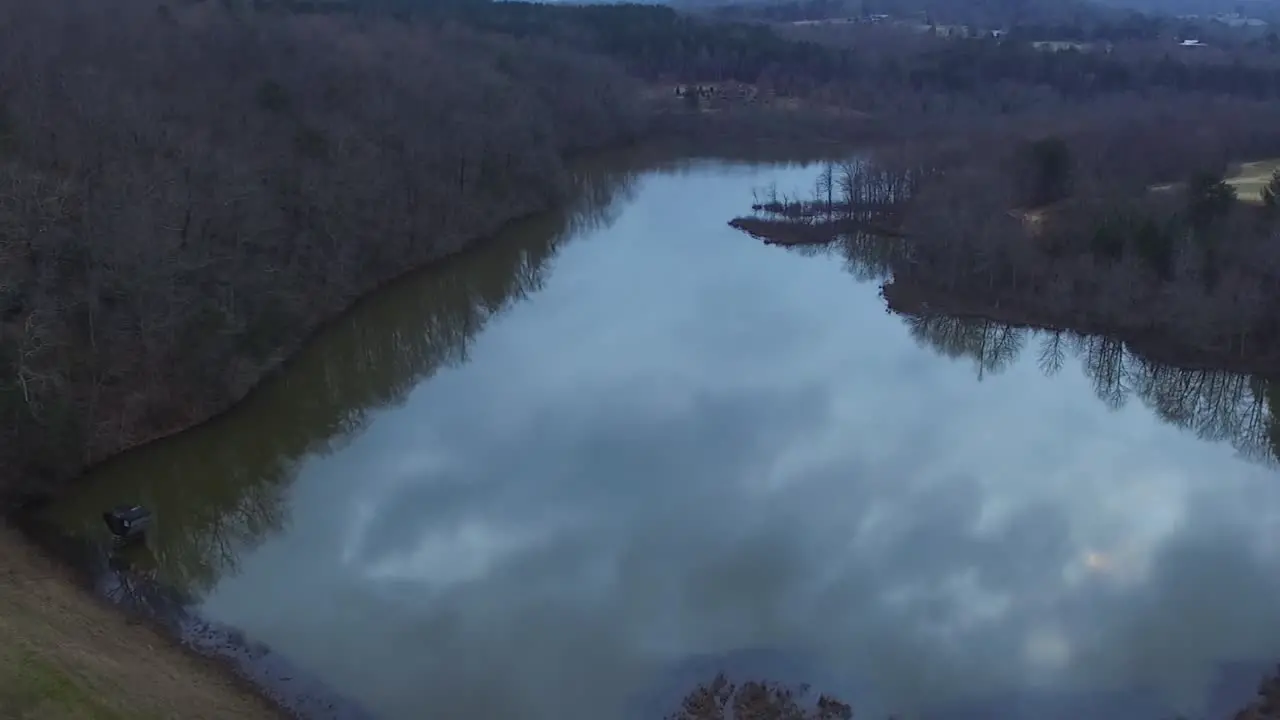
pixel 571 472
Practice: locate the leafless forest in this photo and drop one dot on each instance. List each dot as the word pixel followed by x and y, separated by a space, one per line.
pixel 1059 227
pixel 187 193
pixel 189 189
pixel 722 699
pixel 1187 275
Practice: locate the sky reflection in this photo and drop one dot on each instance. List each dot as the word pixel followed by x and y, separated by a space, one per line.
pixel 689 443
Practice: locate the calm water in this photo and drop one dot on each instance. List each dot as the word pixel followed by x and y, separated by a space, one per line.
pixel 627 445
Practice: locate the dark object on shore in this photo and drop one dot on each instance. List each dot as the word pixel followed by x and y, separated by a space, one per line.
pixel 128 522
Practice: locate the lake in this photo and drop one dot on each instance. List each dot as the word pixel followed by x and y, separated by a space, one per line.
pixel 624 446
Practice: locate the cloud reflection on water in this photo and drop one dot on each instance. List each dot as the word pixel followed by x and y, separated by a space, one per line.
pixel 686 443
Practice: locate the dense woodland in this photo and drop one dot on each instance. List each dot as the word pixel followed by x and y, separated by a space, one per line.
pixel 187 192
pixel 867 80
pixel 875 68
pixel 1115 224
pixel 187 182
pixel 334 388
pixel 1187 274
pixel 880 69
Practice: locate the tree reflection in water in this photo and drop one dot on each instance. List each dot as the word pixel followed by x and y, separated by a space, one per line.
pixel 129 580
pixel 1217 405
pixel 219 491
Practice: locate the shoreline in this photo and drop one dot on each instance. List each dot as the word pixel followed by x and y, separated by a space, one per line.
pixel 220 652
pixel 249 666
pixel 54 603
pixel 912 298
pixel 224 652
pixel 906 293
pixel 654 150
pixel 281 360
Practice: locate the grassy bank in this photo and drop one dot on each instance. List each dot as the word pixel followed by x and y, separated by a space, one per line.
pixel 64 656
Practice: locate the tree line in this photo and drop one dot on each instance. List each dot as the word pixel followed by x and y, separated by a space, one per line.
pixel 1062 237
pixel 653 42
pixel 366 361
pixel 188 191
pixel 887 70
pixel 1119 221
pixel 722 698
pixel 951 307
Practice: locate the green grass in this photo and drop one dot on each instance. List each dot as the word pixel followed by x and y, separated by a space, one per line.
pixel 65 656
pixel 34 689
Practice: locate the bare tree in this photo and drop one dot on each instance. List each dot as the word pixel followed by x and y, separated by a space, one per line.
pixel 186 194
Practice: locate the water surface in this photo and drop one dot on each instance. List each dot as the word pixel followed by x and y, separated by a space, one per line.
pixel 626 445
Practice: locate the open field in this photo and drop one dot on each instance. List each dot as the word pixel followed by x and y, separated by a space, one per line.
pixel 1247 178
pixel 1250 178
pixel 64 656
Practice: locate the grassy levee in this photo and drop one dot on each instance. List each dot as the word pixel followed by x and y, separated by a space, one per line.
pixel 65 656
